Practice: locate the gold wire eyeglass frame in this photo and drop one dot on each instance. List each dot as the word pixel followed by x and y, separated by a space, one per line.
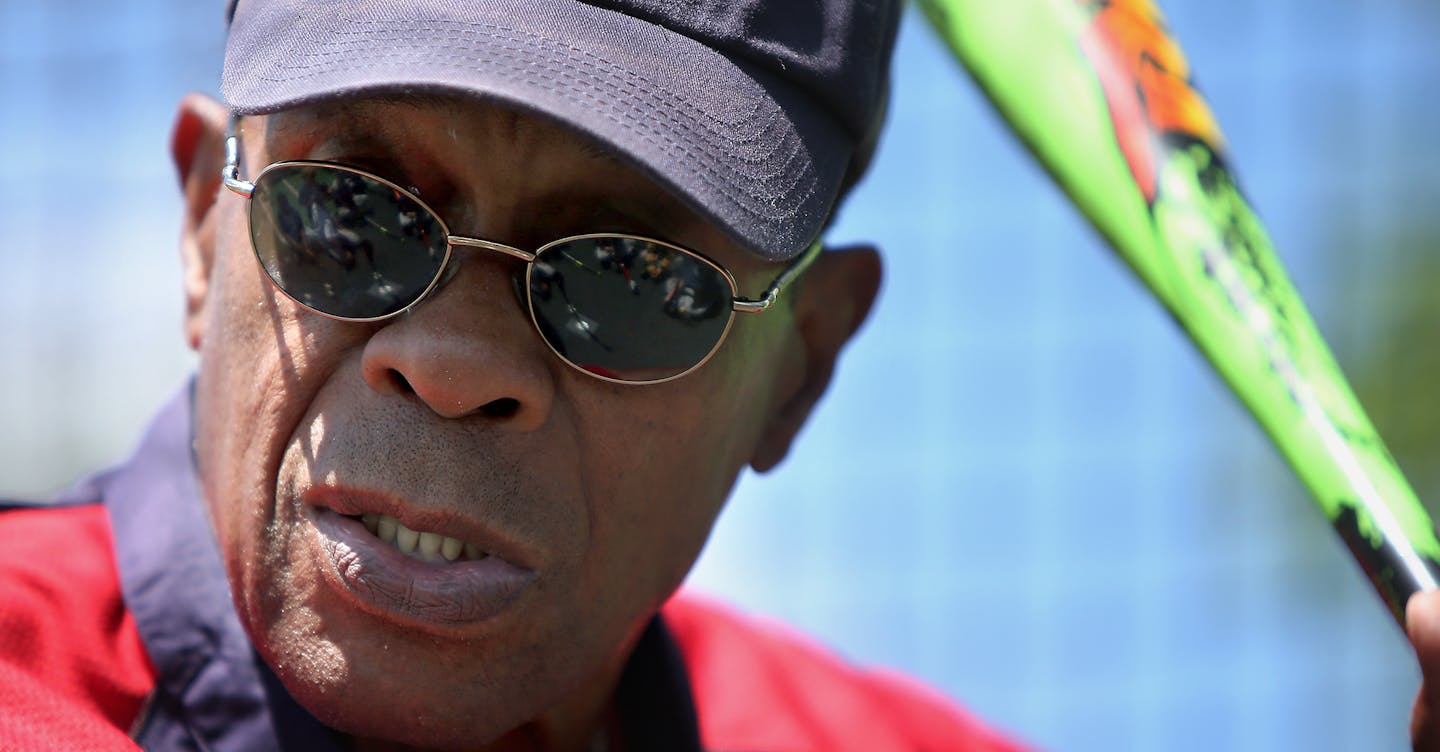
pixel 230 175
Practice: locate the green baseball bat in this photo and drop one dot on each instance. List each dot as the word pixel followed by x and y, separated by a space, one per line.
pixel 1102 95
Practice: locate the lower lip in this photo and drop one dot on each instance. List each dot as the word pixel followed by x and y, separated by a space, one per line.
pixel 393 585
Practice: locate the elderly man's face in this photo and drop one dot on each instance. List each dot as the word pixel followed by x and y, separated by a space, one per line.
pixel 584 502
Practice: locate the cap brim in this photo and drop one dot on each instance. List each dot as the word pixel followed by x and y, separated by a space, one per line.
pixel 746 149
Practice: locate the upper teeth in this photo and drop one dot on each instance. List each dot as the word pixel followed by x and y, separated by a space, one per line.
pixel 420 545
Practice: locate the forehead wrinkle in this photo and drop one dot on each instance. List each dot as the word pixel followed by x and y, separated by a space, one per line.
pixel 350 117
pixel 513 123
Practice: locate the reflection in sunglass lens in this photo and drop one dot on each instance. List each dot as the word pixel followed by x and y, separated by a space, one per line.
pixel 343 243
pixel 629 309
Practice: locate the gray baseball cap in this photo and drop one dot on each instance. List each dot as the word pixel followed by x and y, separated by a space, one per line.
pixel 758 113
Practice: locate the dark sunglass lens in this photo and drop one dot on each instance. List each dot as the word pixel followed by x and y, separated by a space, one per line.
pixel 343 243
pixel 629 309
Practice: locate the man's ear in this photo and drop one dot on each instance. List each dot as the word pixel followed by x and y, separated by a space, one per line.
pixel 197 146
pixel 832 301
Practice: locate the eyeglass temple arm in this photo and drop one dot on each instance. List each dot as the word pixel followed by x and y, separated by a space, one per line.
pixel 230 175
pixel 795 269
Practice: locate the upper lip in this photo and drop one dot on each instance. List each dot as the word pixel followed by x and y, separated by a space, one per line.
pixel 354 502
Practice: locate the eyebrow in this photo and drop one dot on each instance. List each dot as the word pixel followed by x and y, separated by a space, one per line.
pixel 590 148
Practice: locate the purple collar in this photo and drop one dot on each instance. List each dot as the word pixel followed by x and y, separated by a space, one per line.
pixel 213 692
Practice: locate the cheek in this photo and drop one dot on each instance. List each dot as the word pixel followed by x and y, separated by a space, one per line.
pixel 663 473
pixel 261 366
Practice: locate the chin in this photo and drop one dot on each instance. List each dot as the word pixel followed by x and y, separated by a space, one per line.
pixel 377 704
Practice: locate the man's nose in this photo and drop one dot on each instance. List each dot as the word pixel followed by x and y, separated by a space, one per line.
pixel 469 349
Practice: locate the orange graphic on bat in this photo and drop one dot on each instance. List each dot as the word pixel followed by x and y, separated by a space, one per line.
pixel 1146 81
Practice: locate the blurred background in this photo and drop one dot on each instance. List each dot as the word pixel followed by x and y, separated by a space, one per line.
pixel 1025 486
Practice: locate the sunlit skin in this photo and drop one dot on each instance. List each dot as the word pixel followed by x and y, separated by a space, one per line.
pixel 605 492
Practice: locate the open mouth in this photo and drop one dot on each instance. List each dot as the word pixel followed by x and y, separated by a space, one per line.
pixel 423 578
pixel 423 545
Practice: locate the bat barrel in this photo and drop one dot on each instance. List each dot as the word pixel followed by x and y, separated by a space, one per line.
pixel 1102 94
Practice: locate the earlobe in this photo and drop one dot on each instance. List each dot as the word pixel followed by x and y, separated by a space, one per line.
pixel 832 302
pixel 197 146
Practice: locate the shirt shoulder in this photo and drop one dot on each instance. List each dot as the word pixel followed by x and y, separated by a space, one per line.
pixel 73 670
pixel 760 686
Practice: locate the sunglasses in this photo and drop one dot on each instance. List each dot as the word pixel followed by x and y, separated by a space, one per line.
pixel 351 245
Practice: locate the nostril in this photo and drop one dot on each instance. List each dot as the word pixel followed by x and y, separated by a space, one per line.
pixel 399 382
pixel 504 407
